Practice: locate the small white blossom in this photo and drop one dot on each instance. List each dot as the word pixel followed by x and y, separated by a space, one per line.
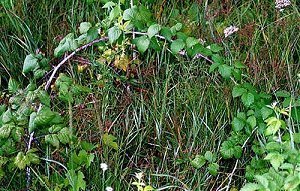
pixel 182 52
pixel 230 30
pixel 109 188
pixel 281 4
pixel 139 175
pixel 274 104
pixel 103 166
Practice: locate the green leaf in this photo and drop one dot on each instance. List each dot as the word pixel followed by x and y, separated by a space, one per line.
pixel 191 41
pixel 38 73
pixel 84 27
pixel 227 149
pixel 52 139
pixel 218 59
pixel 225 71
pixel 76 181
pixel 247 99
pixel 44 117
pixel 238 91
pixel 251 187
pixel 213 169
pixel 176 27
pixel 114 33
pixel 17 134
pixel 142 43
pixel 109 5
pixel 114 13
pixel 296 137
pixel 237 124
pixel 262 180
pixel 66 44
pixel 167 33
pixel 92 34
pixel 198 161
pixel 64 135
pixel 273 125
pixel 109 140
pixel 13 86
pixel 129 14
pixel 30 63
pixel 5 130
pixel 20 161
pixel 153 30
pixel 239 65
pixel 215 48
pixel 31 125
pixel 214 66
pixel 209 156
pixel 148 188
pixel 266 112
pixel 252 121
pixel 177 45
pixel 282 93
pixel 276 159
pixel 238 151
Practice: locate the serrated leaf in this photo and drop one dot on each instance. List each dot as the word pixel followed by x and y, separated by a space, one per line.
pixel 176 27
pixel 209 156
pixel 239 65
pixel 238 91
pixel 76 181
pixel 153 30
pixel 167 33
pixel 273 125
pixel 114 33
pixel 247 99
pixel 177 45
pixel 7 116
pixel 225 70
pixel 252 121
pixel 266 112
pixel 213 169
pixel 129 14
pixel 52 139
pixel 13 86
pixel 282 93
pixel 5 131
pixel 20 161
pixel 227 149
pixel 92 34
pixel 142 43
pixel 114 13
pixel 17 134
pixel 214 66
pixel 84 27
pixel 191 41
pixel 262 180
pixel 30 63
pixel 215 48
pixel 238 151
pixel 108 5
pixel 251 187
pixel 109 140
pixel 44 116
pixel 64 135
pixel 276 159
pixel 237 124
pixel 198 161
pixel 66 44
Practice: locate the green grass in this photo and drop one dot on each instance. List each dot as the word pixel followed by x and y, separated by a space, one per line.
pixel 172 110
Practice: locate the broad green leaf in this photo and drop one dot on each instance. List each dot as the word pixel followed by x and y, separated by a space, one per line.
pixel 209 156
pixel 142 43
pixel 251 187
pixel 39 73
pixel 213 169
pixel 266 112
pixel 238 151
pixel 262 180
pixel 114 33
pixel 225 71
pixel 215 48
pixel 198 161
pixel 109 140
pixel 238 124
pixel 177 45
pixel 214 66
pixel 176 27
pixel 276 159
pixel 273 146
pixel 167 33
pixel 129 14
pixel 76 181
pixel 30 63
pixel 44 117
pixel 17 134
pixel 191 41
pixel 218 59
pixel 227 149
pixel 92 34
pixel 252 121
pixel 239 65
pixel 109 5
pixel 31 157
pixel 247 99
pixel 148 188
pixel 66 44
pixel 282 93
pixel 7 116
pixel 153 30
pixel 20 161
pixel 84 27
pixel 273 125
pixel 114 13
pixel 237 74
pixel 5 130
pixel 238 91
pixel 296 137
pixel 13 86
pixel 52 139
pixel 292 182
pixel 64 135
pixel 31 125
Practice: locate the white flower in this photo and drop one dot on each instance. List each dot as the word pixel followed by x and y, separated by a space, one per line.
pixel 109 188
pixel 230 30
pixel 182 52
pixel 139 175
pixel 281 4
pixel 103 166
